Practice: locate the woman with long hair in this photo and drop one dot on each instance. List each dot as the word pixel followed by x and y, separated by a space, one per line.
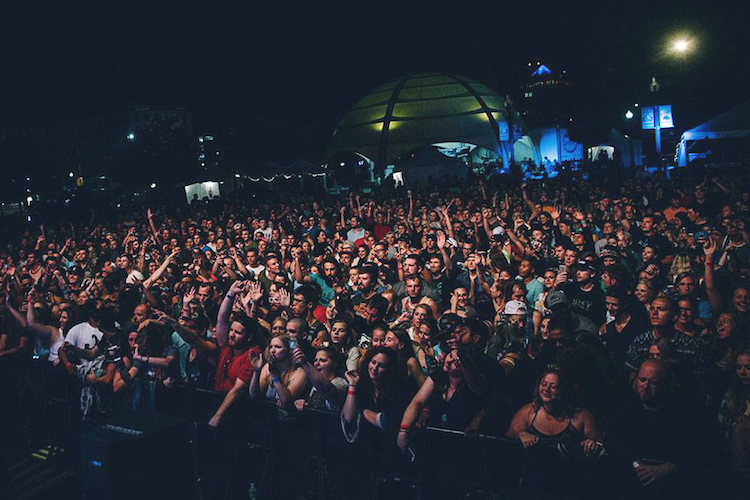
pixel 400 343
pixel 453 402
pixel 340 307
pixel 344 343
pixel 49 338
pixel 377 396
pixel 276 377
pixel 427 349
pixel 551 423
pixel 734 413
pixel 328 387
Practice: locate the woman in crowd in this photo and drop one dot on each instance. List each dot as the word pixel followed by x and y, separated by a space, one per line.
pixel 734 414
pixel 377 396
pixel 340 307
pixel 277 378
pixel 645 293
pixel 553 421
pixel 328 387
pixel 49 339
pixel 452 401
pixel 427 349
pixel 401 344
pixel 726 342
pixel 344 343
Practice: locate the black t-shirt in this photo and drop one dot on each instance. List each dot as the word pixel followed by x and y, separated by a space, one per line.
pixel 590 304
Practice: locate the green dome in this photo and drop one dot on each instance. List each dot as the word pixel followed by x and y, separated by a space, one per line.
pixel 416 111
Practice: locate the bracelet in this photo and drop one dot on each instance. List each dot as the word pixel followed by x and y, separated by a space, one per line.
pixel 275 380
pixel 405 427
pixel 351 392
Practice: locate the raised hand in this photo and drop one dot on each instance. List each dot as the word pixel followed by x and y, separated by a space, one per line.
pixel 236 288
pixel 709 249
pixel 440 240
pixel 256 361
pixel 352 377
pixel 285 299
pixel 298 357
pixel 188 298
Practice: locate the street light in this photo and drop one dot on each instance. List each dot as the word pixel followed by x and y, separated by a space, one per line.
pixel 131 136
pixel 629 115
pixel 681 45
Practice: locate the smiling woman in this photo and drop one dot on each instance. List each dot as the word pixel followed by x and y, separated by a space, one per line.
pixel 553 423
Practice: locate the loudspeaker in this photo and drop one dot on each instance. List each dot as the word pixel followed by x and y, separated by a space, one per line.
pixel 138 454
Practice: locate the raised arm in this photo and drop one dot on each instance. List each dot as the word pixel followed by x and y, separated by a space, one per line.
pixel 321 384
pixel 44 331
pixel 714 298
pixel 222 320
pixel 192 337
pixel 151 224
pixel 160 270
pixel 237 261
pixel 447 261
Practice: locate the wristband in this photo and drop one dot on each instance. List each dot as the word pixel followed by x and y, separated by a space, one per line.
pixel 404 428
pixel 275 380
pixel 351 392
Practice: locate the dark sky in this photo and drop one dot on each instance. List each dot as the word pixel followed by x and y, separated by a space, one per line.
pixel 280 70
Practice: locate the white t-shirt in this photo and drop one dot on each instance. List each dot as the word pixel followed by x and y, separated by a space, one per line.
pixel 257 270
pixel 83 335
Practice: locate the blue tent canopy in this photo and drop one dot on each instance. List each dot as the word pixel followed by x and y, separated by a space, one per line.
pixel 731 124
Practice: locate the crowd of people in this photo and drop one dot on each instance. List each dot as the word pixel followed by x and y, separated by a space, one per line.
pixel 575 316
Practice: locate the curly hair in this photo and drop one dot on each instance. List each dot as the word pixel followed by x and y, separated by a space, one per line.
pixel 566 401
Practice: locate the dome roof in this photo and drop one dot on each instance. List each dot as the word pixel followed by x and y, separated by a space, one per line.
pixel 417 110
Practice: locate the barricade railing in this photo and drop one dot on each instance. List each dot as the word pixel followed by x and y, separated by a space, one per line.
pixel 305 455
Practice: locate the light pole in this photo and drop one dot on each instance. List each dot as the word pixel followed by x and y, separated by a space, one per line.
pixel 629 117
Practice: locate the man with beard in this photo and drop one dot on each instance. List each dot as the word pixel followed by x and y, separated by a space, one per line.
pixel 303 304
pixel 327 283
pixel 439 267
pixel 413 264
pixel 367 289
pixel 230 351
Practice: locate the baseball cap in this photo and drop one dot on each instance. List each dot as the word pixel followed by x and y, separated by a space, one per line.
pixel 609 252
pixel 76 270
pixel 555 298
pixel 515 307
pixel 585 265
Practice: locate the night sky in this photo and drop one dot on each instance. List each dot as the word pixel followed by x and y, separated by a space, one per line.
pixel 282 75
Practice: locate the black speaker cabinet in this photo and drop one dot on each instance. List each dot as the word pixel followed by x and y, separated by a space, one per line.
pixel 140 455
